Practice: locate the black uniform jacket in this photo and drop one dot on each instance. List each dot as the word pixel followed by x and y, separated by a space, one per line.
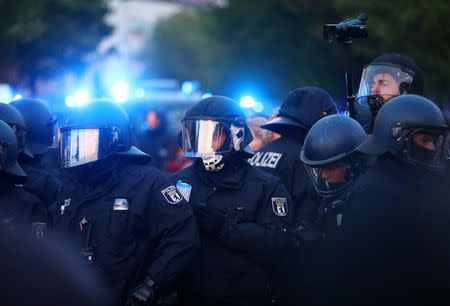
pixel 41 182
pixel 132 220
pixel 22 211
pixel 282 159
pixel 237 261
pixel 389 250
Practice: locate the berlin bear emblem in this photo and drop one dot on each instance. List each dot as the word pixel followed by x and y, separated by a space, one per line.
pixel 279 206
pixel 171 195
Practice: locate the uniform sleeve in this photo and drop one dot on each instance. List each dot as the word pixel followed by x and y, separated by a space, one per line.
pixel 172 225
pixel 267 236
pixel 301 188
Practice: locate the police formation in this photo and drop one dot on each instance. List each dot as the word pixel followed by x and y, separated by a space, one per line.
pixel 336 211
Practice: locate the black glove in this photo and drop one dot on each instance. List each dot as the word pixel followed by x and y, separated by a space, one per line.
pixel 306 233
pixel 209 220
pixel 143 294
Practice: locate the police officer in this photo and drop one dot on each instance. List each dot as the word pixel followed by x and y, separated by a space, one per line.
pixel 241 211
pixel 387 76
pixel 300 110
pixel 18 209
pixel 126 218
pixel 394 244
pixel 333 166
pixel 14 119
pixel 40 135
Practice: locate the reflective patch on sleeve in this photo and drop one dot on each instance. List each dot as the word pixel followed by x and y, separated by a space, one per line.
pixel 172 195
pixel 279 206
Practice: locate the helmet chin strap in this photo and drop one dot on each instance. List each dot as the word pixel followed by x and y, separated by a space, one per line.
pixel 213 162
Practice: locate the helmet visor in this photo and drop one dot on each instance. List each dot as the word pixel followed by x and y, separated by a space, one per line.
pixel 384 81
pixel 330 179
pixel 428 148
pixel 205 137
pixel 82 146
pixel 21 135
pixel 3 159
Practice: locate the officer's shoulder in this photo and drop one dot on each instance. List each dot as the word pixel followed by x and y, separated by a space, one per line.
pixel 139 171
pixel 257 174
pixel 273 145
pixel 374 179
pixel 183 173
pixel 21 195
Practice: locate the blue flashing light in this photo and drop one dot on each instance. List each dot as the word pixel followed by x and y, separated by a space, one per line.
pixel 207 95
pixel 188 87
pixel 70 101
pixel 247 102
pixel 258 107
pixel 81 97
pixel 140 93
pixel 120 92
pixel 17 97
pixel 6 93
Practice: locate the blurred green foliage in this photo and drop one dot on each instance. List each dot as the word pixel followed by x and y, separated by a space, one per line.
pixel 279 43
pixel 55 33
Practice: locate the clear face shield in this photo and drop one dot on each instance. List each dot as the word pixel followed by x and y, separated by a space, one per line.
pixel 331 179
pixel 203 138
pixel 84 145
pixel 380 83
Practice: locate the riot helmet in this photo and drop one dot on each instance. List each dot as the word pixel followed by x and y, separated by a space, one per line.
pixel 329 154
pixel 300 110
pixel 40 124
pixel 213 128
pixel 411 128
pixel 8 154
pixel 386 77
pixel 94 132
pixel 14 119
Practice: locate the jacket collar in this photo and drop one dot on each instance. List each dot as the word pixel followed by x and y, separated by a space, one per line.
pixel 232 176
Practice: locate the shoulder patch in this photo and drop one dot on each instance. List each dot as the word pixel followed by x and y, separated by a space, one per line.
pixel 120 204
pixel 279 206
pixel 172 195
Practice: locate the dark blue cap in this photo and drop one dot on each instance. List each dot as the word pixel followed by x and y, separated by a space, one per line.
pixel 301 109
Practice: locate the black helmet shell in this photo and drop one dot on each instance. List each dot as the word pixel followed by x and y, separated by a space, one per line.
pixel 224 109
pixel 11 115
pixel 9 161
pixel 404 110
pixel 331 139
pixel 106 114
pixel 39 123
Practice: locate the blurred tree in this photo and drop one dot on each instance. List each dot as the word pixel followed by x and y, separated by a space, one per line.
pixel 48 35
pixel 278 43
pixel 419 29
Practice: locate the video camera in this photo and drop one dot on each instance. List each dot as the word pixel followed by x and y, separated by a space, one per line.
pixel 346 30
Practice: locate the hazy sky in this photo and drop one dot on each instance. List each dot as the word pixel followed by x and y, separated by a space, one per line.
pixel 132 19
